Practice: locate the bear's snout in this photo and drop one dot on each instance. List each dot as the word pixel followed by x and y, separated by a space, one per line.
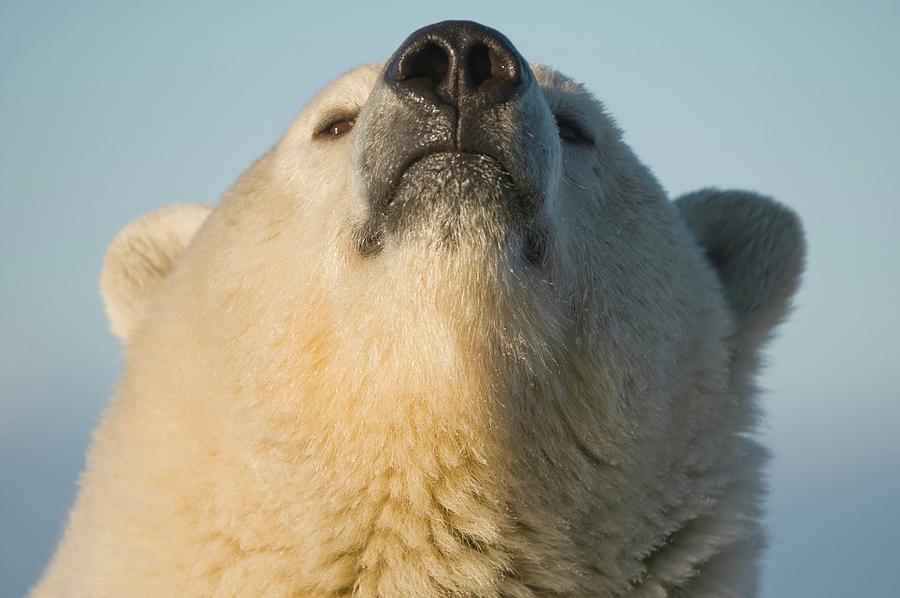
pixel 456 129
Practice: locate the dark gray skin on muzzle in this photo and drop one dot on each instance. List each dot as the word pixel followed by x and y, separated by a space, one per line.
pixel 456 132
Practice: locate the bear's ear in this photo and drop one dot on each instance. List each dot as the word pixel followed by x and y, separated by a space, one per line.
pixel 756 246
pixel 139 259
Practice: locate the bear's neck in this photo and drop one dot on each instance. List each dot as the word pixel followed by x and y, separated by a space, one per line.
pixel 408 449
pixel 395 443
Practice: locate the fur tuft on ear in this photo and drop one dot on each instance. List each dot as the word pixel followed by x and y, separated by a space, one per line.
pixel 756 246
pixel 139 259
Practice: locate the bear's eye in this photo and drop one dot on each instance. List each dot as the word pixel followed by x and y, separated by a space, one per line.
pixel 570 132
pixel 335 128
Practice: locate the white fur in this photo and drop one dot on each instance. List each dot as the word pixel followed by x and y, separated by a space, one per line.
pixel 297 419
pixel 140 258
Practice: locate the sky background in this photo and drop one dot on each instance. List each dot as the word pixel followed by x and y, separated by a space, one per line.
pixel 108 111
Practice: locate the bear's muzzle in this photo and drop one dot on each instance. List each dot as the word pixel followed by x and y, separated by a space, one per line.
pixel 460 95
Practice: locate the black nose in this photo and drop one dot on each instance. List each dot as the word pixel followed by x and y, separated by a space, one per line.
pixel 456 62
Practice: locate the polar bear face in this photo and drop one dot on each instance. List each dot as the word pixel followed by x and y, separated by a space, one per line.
pixel 505 218
pixel 448 336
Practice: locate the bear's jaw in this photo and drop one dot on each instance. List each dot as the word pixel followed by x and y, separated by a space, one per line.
pixel 458 189
pixel 448 200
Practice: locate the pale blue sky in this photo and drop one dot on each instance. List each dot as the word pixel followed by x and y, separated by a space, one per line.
pixel 109 111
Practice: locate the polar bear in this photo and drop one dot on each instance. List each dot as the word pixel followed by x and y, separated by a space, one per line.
pixel 448 337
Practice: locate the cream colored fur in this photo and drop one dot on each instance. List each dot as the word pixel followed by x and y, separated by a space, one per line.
pixel 141 257
pixel 299 420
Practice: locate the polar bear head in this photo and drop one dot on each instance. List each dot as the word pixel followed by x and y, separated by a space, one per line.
pixel 450 336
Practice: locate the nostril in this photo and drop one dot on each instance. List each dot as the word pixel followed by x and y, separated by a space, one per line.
pixel 457 63
pixel 478 64
pixel 492 70
pixel 428 62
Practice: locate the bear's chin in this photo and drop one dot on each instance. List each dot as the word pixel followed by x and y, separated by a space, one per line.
pixel 457 198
